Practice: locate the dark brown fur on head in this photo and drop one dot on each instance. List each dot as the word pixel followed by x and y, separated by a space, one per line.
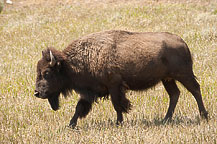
pixel 51 77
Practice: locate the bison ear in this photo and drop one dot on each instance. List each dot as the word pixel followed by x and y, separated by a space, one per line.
pixel 52 60
pixel 54 102
pixel 43 53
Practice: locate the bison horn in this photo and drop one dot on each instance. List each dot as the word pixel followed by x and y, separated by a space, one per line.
pixel 52 61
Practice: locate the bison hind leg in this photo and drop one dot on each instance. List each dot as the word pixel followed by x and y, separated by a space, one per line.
pixel 193 86
pixel 173 92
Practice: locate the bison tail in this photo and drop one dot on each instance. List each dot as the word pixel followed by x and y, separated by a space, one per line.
pixel 190 57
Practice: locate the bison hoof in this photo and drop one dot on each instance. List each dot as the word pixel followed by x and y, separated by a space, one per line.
pixel 72 125
pixel 166 120
pixel 205 115
pixel 118 123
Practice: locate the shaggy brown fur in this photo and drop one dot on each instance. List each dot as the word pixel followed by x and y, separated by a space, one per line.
pixel 111 62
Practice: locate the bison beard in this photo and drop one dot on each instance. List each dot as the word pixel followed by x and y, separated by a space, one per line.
pixel 110 63
pixel 54 102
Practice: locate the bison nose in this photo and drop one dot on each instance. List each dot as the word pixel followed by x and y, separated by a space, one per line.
pixel 36 93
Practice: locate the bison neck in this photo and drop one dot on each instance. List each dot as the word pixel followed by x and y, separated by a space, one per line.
pixel 84 84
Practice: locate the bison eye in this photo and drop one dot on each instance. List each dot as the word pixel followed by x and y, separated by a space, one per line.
pixel 46 75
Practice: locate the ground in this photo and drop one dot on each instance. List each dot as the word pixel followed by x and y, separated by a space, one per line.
pixel 28 27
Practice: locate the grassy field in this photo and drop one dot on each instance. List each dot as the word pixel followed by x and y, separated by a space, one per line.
pixel 28 27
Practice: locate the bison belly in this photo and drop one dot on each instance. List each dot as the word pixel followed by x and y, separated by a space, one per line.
pixel 143 76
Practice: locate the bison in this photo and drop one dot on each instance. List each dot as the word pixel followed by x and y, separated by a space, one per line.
pixel 109 63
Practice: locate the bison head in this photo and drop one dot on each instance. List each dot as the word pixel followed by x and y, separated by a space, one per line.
pixel 50 78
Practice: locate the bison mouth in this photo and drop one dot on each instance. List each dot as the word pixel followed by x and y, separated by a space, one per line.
pixel 42 95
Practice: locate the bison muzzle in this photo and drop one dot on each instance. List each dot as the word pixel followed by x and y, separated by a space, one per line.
pixel 109 63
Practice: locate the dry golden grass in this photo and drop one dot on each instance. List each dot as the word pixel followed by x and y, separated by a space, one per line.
pixel 27 27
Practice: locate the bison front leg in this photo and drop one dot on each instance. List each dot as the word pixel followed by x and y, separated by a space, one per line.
pixel 120 102
pixel 82 109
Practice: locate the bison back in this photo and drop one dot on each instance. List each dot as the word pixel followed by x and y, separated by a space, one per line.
pixel 142 59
